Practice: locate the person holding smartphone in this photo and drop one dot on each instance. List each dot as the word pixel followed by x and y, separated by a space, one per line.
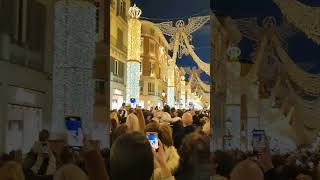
pixel 40 160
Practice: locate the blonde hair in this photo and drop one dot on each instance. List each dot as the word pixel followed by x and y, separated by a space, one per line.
pixel 142 123
pixel 11 171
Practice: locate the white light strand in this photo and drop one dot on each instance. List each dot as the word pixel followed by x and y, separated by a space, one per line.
pixel 202 65
pixel 309 82
pixel 73 87
pixel 133 79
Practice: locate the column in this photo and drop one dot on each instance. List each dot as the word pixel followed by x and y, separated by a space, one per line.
pixel 170 88
pixel 183 93
pixel 74 53
pixel 133 64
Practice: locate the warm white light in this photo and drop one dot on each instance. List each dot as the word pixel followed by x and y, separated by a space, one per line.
pixel 135 12
pixel 134 39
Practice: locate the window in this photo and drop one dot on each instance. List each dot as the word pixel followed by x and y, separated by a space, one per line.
pixel 152 32
pixel 142 47
pixel 140 68
pixel 116 67
pixel 120 39
pixel 100 87
pixel 121 9
pixel 150 87
pixel 152 48
pixel 152 69
pixel 97 4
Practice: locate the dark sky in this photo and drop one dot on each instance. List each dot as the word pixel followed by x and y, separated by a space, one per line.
pixel 301 49
pixel 173 10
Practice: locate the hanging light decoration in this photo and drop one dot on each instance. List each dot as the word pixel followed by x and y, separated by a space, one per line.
pixel 74 52
pixel 134 46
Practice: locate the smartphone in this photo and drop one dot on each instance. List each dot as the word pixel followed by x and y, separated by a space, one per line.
pixel 74 131
pixel 153 139
pixel 259 140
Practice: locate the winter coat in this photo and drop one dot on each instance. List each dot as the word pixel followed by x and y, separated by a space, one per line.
pixel 165 117
pixel 172 158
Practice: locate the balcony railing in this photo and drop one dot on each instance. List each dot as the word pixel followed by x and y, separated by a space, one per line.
pixel 152 93
pixel 25 57
pixel 116 79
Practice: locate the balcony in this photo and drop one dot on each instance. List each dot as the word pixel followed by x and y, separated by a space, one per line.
pixel 116 79
pixel 152 93
pixel 25 57
pixel 120 46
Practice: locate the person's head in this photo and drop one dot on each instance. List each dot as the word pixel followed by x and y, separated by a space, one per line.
pixel 131 158
pixel 165 135
pixel 179 113
pixel 173 112
pixel 44 135
pixel 120 130
pixel 195 150
pixel 11 171
pixel 123 104
pixel 187 119
pixel 66 156
pixel 166 108
pixel 142 122
pixel 247 170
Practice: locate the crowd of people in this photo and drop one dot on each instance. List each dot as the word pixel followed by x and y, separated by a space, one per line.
pixel 183 154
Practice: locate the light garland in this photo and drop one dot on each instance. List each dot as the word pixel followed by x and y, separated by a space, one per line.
pixel 73 87
pixel 134 39
pixel 304 17
pixel 202 65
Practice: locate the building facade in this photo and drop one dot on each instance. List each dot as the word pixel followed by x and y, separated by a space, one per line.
pixel 154 65
pixel 118 51
pixel 26 43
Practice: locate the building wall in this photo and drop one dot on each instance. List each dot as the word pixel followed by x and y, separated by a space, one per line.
pixel 118 50
pixel 153 65
pixel 25 59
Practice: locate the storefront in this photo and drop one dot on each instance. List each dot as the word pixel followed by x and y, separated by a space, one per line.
pixel 117 98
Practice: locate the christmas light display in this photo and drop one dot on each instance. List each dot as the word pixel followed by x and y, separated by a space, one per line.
pixel 134 46
pixel 74 48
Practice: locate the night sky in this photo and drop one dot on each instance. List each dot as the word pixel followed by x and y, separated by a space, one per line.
pixel 301 49
pixel 173 10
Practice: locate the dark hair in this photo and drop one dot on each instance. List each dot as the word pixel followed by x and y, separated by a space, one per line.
pixel 166 108
pixel 131 158
pixel 120 130
pixel 44 135
pixel 180 113
pixel 164 132
pixel 195 150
